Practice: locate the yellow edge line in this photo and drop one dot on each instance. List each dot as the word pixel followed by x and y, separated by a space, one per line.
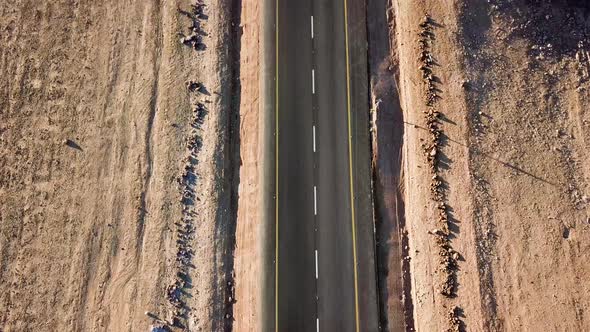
pixel 277 165
pixel 356 292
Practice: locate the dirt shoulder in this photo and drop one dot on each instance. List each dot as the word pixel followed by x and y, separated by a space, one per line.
pixel 510 85
pixel 251 231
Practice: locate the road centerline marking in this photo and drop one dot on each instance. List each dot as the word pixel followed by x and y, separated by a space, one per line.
pixel 316 264
pixel 311 26
pixel 356 300
pixel 313 138
pixel 313 81
pixel 315 201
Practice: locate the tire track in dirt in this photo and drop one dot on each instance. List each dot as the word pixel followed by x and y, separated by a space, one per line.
pixel 474 24
pixel 153 107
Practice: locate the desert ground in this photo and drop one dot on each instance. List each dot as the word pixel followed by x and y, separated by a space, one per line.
pixel 114 174
pixel 482 164
pixel 132 136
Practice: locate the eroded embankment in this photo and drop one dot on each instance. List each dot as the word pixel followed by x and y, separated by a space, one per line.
pixel 387 128
pixel 208 180
pixel 396 246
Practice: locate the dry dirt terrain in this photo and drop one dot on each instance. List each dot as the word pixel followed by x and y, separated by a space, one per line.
pixel 485 193
pixel 250 230
pixel 115 184
pixel 120 179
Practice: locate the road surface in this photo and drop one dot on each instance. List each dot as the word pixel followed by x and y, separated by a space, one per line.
pixel 324 272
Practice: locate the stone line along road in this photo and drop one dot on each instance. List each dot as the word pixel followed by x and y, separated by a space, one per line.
pixel 323 266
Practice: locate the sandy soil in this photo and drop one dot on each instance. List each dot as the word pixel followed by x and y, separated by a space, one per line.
pixel 95 128
pixel 248 242
pixel 109 172
pixel 512 84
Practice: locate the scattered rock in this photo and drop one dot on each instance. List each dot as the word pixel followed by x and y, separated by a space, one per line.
pixel 448 257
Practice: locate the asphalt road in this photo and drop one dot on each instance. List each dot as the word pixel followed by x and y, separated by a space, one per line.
pixel 324 276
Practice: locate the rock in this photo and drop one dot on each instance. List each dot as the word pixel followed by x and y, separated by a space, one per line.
pixel 435 231
pixel 158 328
pixel 192 85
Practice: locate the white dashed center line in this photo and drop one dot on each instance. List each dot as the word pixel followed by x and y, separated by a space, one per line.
pixel 313 138
pixel 313 81
pixel 315 201
pixel 312 26
pixel 316 264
